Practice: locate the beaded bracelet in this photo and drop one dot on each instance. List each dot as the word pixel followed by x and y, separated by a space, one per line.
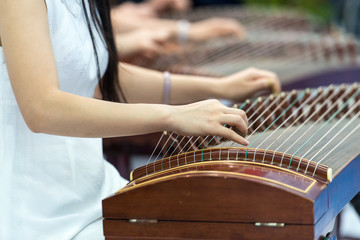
pixel 167 87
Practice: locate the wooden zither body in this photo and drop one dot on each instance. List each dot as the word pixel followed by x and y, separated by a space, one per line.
pixel 302 166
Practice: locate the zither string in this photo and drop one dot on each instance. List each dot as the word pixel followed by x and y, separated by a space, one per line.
pixel 332 117
pixel 252 106
pixel 247 149
pixel 331 129
pixel 274 121
pixel 337 145
pixel 302 125
pixel 286 120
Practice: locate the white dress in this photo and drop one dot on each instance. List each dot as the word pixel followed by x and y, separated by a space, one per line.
pixel 51 187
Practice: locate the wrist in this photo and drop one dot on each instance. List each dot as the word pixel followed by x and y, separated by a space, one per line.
pixel 167 117
pixel 219 88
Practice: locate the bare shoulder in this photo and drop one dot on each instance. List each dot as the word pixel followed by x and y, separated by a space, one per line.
pixel 19 9
pixel 18 18
pixel 15 9
pixel 15 16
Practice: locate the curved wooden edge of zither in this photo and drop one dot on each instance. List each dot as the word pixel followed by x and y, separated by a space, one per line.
pixel 241 154
pixel 236 191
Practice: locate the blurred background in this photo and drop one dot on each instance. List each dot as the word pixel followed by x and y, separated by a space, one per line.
pixel 308 43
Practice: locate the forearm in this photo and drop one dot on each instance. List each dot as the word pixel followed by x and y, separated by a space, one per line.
pixel 187 89
pixel 142 85
pixel 87 117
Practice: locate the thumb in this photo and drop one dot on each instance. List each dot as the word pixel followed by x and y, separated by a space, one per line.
pixel 161 36
pixel 151 50
pixel 266 83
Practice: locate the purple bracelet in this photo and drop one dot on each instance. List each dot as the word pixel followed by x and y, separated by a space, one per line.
pixel 167 87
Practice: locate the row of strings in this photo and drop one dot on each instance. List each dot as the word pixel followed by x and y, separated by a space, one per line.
pixel 285 42
pixel 254 17
pixel 310 124
pixel 270 52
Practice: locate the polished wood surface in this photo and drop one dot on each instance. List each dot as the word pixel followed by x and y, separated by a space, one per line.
pixel 213 205
pixel 229 158
pixel 219 196
pixel 205 230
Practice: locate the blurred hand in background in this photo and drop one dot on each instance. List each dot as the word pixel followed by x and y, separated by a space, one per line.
pixel 147 43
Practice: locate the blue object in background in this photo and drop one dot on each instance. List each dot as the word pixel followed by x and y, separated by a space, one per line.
pixel 347 15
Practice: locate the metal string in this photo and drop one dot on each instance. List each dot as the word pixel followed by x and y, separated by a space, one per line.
pixel 332 117
pixel 332 128
pixel 303 124
pixel 337 145
pixel 317 99
pixel 247 149
pixel 286 120
pixel 208 136
pixel 210 155
pixel 276 109
pixel 162 149
pixel 152 154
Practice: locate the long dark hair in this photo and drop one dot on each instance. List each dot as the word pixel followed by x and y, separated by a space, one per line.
pixel 100 15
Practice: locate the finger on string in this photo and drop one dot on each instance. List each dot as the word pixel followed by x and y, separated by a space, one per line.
pixel 149 54
pixel 235 112
pixel 232 135
pixel 150 50
pixel 274 85
pixel 268 83
pixel 239 112
pixel 239 124
pixel 161 36
pixel 238 30
pixel 273 79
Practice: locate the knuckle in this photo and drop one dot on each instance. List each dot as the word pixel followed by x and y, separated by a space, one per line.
pixel 273 75
pixel 242 113
pixel 218 103
pixel 252 69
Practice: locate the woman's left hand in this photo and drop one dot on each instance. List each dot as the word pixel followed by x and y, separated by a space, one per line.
pixel 247 83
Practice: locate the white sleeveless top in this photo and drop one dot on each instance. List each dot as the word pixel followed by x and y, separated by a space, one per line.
pixel 51 187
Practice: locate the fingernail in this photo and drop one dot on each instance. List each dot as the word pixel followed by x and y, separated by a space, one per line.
pixel 246 142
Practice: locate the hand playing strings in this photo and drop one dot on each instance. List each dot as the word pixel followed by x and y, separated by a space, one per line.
pixel 247 83
pixel 143 42
pixel 209 117
pixel 152 8
pixel 215 27
pixel 160 6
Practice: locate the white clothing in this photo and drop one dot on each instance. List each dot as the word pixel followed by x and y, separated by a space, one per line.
pixel 51 187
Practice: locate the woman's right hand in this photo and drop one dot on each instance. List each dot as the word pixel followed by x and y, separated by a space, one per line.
pixel 209 117
pixel 143 42
pixel 216 27
pixel 160 6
